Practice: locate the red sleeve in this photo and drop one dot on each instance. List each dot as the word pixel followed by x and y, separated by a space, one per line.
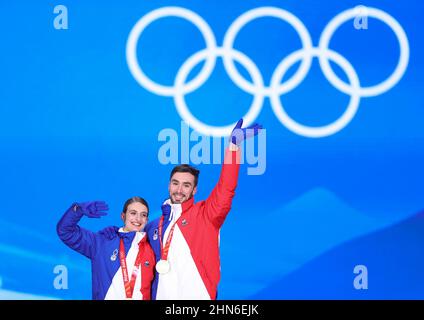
pixel 148 272
pixel 218 204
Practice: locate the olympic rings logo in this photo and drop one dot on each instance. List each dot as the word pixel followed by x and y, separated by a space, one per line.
pixel 257 87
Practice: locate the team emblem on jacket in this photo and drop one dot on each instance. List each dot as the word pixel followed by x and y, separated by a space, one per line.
pixel 155 234
pixel 114 255
pixel 184 222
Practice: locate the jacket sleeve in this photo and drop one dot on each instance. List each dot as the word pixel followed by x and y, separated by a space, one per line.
pixel 218 204
pixel 75 237
pixel 148 274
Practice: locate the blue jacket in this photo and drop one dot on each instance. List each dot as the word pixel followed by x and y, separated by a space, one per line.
pixel 103 251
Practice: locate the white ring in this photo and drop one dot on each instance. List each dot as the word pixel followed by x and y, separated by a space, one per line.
pixel 187 116
pixel 403 58
pixel 307 131
pixel 284 15
pixel 131 49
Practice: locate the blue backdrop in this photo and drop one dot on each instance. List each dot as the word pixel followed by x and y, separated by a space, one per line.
pixel 77 125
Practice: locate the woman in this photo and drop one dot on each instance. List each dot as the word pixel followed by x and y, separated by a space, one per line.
pixel 122 263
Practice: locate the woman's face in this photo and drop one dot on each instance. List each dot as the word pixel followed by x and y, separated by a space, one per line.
pixel 135 218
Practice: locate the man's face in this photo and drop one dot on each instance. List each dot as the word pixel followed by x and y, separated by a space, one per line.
pixel 181 187
pixel 135 218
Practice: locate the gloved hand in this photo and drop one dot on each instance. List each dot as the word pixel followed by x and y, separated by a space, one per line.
pixel 166 209
pixel 110 232
pixel 238 134
pixel 92 209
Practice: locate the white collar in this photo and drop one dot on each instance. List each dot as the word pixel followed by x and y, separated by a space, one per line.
pixel 138 234
pixel 176 209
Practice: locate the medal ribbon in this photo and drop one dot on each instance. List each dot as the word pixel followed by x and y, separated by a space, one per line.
pixel 164 250
pixel 129 285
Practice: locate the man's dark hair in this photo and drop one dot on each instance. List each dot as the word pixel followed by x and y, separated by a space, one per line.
pixel 132 200
pixel 186 168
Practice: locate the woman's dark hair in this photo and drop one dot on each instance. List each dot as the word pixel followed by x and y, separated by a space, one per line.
pixel 132 200
pixel 186 168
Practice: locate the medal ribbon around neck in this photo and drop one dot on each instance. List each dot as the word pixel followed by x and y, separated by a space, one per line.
pixel 164 250
pixel 129 285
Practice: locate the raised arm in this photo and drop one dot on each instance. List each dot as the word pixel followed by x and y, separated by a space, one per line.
pixel 75 237
pixel 218 204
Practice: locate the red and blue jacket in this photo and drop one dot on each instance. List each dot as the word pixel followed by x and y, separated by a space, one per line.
pixel 194 249
pixel 103 251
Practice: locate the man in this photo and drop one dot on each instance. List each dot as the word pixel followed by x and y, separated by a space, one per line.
pixel 185 238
